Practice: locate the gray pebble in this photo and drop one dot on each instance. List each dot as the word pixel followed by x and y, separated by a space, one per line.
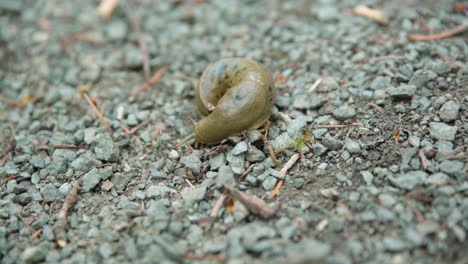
pixel 173 154
pixel 352 146
pixel 90 180
pixel 441 130
pixel 33 254
pixel 192 162
pixel 309 101
pixel 332 143
pixel 410 180
pixel 393 244
pixel 158 191
pixel 217 161
pixel 414 141
pixel 103 146
pixel 344 112
pixel 269 183
pixel 403 92
pixel 438 178
pixel 449 111
pixel 319 149
pixel 367 176
pixel 192 196
pixel 254 154
pixel 240 148
pixel 453 168
pixel 120 180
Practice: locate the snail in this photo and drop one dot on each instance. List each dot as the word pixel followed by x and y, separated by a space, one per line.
pixel 233 96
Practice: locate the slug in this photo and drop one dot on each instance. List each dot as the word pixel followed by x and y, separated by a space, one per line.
pixel 233 96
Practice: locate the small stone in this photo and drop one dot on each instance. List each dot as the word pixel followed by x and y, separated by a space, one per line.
pixel 283 140
pixel 414 141
pixel 332 143
pixel 393 244
pixel 103 146
pixel 309 101
pixel 217 161
pixel 269 183
pixel 352 146
pixel 254 154
pixel 449 111
pixel 158 191
pixel 441 130
pixel 409 180
pixel 309 250
pixel 239 211
pixel 107 186
pixel 37 162
pixel 437 179
pixel 403 92
pixel 192 162
pixel 367 176
pixel 319 149
pixel 173 155
pixel 117 30
pixel 380 83
pixel 240 148
pixel 120 180
pixel 296 126
pixel 319 132
pixel 85 161
pixel 33 255
pixel 453 168
pixel 344 112
pixel 90 180
pixel 225 176
pixel 191 195
pixel 50 191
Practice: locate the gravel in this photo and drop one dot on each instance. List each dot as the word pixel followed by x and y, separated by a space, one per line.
pixel 378 122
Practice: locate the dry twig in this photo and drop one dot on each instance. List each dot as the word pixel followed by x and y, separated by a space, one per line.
pixel 45 147
pixel 255 205
pixel 315 85
pixel 424 162
pixel 106 8
pixel 217 206
pixel 285 169
pixel 340 126
pixel 388 57
pixel 126 130
pixel 62 222
pixel 156 77
pixel 444 34
pixel 376 15
pixel 98 113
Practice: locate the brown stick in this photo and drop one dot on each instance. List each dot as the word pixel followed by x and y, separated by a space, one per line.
pixel 444 34
pixel 340 126
pixel 125 128
pixel 156 77
pixel 285 169
pixel 255 205
pixel 217 206
pixel 389 57
pixel 60 147
pixel 141 43
pixel 424 162
pixel 272 152
pixel 62 222
pixel 98 113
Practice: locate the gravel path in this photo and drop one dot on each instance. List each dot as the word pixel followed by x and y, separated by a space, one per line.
pixel 369 112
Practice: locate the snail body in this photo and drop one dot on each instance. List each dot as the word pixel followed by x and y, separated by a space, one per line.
pixel 233 96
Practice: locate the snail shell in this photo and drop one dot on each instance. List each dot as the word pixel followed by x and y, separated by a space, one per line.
pixel 234 95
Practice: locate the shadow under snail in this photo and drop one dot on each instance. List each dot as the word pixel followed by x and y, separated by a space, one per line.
pixel 233 96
